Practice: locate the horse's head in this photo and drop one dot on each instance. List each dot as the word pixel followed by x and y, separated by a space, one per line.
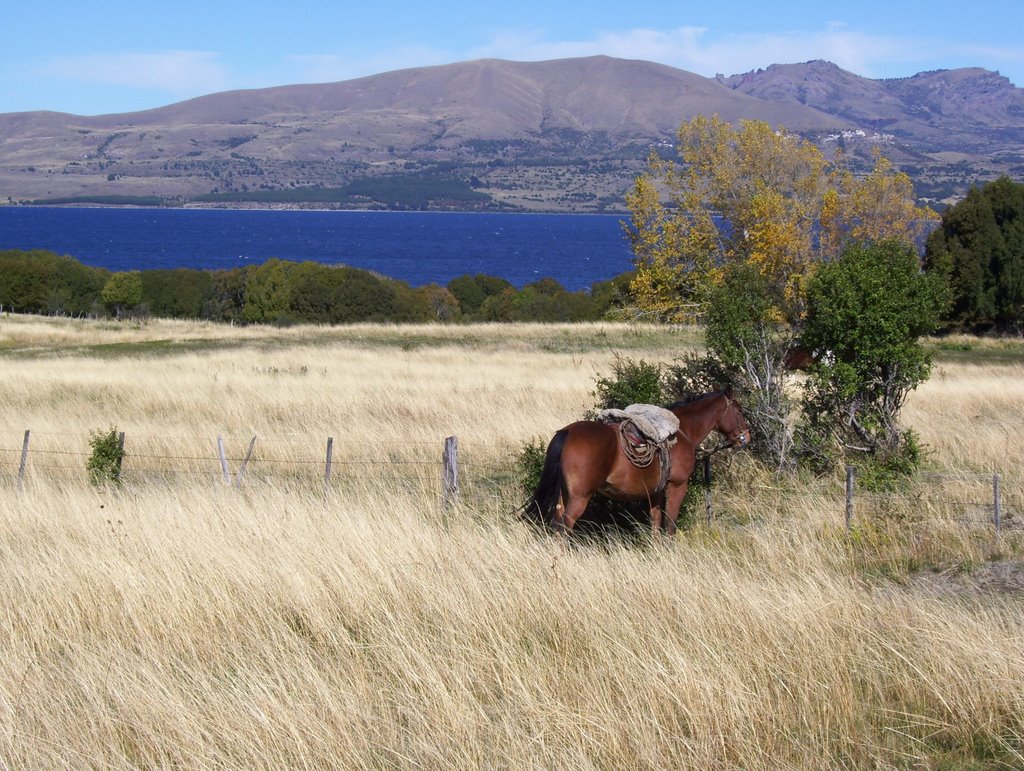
pixel 732 424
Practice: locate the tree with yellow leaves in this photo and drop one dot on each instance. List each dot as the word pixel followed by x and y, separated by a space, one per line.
pixel 759 196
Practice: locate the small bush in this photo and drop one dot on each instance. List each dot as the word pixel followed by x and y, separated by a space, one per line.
pixel 887 469
pixel 631 382
pixel 693 374
pixel 529 463
pixel 104 463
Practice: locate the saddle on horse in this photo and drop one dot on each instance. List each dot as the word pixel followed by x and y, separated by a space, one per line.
pixel 645 431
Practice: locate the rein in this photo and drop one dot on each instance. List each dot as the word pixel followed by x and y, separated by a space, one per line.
pixel 724 446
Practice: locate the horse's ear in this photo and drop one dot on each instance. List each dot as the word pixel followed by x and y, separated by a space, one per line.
pixel 728 391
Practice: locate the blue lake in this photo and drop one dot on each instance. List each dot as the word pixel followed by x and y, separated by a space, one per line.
pixel 417 247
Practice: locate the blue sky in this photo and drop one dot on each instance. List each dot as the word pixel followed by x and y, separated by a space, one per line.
pixel 116 56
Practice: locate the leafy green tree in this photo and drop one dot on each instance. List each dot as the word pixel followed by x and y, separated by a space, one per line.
pixel 326 294
pixel 608 298
pixel 499 307
pixel 77 289
pixel 268 292
pixel 1008 208
pixel 749 343
pixel 39 281
pixel 962 251
pixel 866 314
pixel 227 295
pixel 548 300
pixel 362 296
pixel 415 305
pixel 472 292
pixel 747 346
pixel 468 293
pixel 979 250
pixel 543 300
pixel 181 293
pixel 122 292
pixel 26 279
pixel 314 293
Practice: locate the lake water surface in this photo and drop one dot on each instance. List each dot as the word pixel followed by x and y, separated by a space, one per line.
pixel 417 247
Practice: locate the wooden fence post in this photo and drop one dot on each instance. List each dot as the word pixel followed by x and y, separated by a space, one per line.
pixel 707 487
pixel 849 497
pixel 245 462
pixel 223 460
pixel 24 461
pixel 450 473
pixel 997 504
pixel 327 466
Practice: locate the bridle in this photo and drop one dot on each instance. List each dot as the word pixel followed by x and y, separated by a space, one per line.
pixel 741 439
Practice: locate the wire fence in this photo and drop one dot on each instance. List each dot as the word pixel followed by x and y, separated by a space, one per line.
pixel 440 468
pixel 965 497
pixel 430 466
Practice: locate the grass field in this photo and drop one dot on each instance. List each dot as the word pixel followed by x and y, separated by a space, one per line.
pixel 181 622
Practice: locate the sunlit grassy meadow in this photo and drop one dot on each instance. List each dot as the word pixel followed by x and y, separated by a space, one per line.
pixel 182 622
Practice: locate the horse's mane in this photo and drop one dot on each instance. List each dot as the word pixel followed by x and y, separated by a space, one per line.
pixel 693 399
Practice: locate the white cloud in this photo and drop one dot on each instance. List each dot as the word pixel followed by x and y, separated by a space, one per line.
pixel 176 72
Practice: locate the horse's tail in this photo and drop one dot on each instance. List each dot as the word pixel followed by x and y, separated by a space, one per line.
pixel 542 504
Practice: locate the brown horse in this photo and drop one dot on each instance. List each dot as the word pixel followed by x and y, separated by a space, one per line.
pixel 585 458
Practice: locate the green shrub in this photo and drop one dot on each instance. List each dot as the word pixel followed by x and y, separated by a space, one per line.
pixel 868 311
pixel 631 382
pixel 529 463
pixel 122 292
pixel 695 373
pixel 104 465
pixel 887 470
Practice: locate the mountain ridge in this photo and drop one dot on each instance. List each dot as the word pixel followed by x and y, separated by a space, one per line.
pixel 560 135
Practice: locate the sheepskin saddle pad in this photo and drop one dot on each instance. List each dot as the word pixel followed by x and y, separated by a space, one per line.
pixel 645 431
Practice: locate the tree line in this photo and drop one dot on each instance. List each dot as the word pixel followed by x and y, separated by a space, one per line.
pixel 285 292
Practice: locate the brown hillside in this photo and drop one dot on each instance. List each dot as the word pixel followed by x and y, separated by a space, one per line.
pixel 558 135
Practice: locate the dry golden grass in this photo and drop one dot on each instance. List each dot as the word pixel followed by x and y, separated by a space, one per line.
pixel 179 622
pixel 972 417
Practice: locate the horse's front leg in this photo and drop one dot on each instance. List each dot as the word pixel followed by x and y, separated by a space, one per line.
pixel 673 502
pixel 656 517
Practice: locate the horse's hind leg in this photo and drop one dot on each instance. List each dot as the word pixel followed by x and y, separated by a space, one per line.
pixel 558 518
pixel 570 512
